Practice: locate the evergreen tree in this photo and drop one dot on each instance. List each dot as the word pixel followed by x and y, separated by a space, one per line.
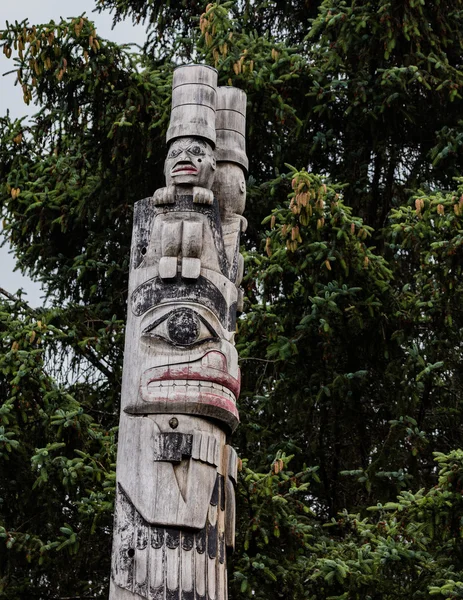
pixel 350 339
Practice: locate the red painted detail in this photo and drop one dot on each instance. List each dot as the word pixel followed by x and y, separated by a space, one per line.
pixel 207 398
pixel 185 169
pixel 212 367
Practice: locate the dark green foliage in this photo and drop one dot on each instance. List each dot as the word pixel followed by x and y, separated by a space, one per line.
pixel 411 548
pixel 350 341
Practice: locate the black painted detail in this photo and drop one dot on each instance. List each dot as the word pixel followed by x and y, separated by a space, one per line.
pixel 141 556
pixel 141 588
pixel 215 492
pixel 192 332
pixel 172 537
pixel 217 234
pixel 173 422
pixel 232 316
pixel 183 326
pixel 173 446
pixel 140 584
pixel 234 266
pixel 201 541
pixel 152 292
pixel 212 540
pixel 142 533
pixel 157 537
pixel 122 568
pixel 222 492
pixel 144 213
pixel 157 593
pixel 131 552
pixel 221 548
pixel 172 594
pixel 187 540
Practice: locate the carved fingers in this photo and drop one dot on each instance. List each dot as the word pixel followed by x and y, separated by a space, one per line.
pixel 165 195
pixel 202 195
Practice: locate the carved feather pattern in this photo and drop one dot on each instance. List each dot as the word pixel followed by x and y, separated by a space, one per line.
pixel 166 563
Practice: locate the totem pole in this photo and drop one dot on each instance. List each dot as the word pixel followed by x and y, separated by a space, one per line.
pixel 176 472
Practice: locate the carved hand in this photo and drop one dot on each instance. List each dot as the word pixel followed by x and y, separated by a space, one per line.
pixel 202 195
pixel 165 195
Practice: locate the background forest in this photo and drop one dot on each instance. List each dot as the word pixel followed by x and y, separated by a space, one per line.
pixel 351 338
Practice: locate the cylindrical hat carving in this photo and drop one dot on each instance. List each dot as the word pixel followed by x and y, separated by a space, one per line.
pixel 194 99
pixel 230 126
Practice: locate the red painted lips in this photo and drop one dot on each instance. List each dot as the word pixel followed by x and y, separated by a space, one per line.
pixel 188 169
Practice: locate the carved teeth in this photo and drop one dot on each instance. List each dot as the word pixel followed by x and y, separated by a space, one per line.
pixel 189 386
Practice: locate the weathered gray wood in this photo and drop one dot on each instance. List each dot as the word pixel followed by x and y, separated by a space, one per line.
pixel 160 499
pixel 231 126
pixel 194 98
pixel 176 474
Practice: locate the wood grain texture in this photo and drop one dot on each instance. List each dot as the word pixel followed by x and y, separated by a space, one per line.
pixel 194 99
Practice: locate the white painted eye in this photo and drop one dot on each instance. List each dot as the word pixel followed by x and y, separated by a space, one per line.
pixel 181 327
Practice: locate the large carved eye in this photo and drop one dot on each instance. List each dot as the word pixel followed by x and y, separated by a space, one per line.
pixel 181 327
pixel 174 152
pixel 196 150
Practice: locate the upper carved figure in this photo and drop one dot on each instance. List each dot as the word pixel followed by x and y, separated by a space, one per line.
pixel 190 161
pixel 190 164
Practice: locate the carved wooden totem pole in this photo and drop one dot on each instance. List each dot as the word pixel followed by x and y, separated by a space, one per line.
pixel 176 472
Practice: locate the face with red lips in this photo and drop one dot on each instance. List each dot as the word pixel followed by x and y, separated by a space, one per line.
pixel 189 363
pixel 190 161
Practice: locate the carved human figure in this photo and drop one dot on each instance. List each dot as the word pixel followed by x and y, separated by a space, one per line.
pixel 230 188
pixel 189 169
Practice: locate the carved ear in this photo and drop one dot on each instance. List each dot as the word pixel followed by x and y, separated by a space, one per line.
pixel 214 163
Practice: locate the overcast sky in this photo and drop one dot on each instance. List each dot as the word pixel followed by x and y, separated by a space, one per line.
pixel 43 11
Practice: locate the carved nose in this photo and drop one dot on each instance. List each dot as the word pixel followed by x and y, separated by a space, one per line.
pixel 215 360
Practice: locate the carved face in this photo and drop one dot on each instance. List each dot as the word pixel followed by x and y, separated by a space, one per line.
pixel 190 161
pixel 230 188
pixel 188 363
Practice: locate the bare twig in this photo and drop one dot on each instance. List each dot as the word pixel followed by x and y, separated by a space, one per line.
pixel 264 360
pixel 24 304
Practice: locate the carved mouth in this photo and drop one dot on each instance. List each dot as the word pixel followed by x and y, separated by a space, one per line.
pixel 185 169
pixel 203 387
pixel 210 373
